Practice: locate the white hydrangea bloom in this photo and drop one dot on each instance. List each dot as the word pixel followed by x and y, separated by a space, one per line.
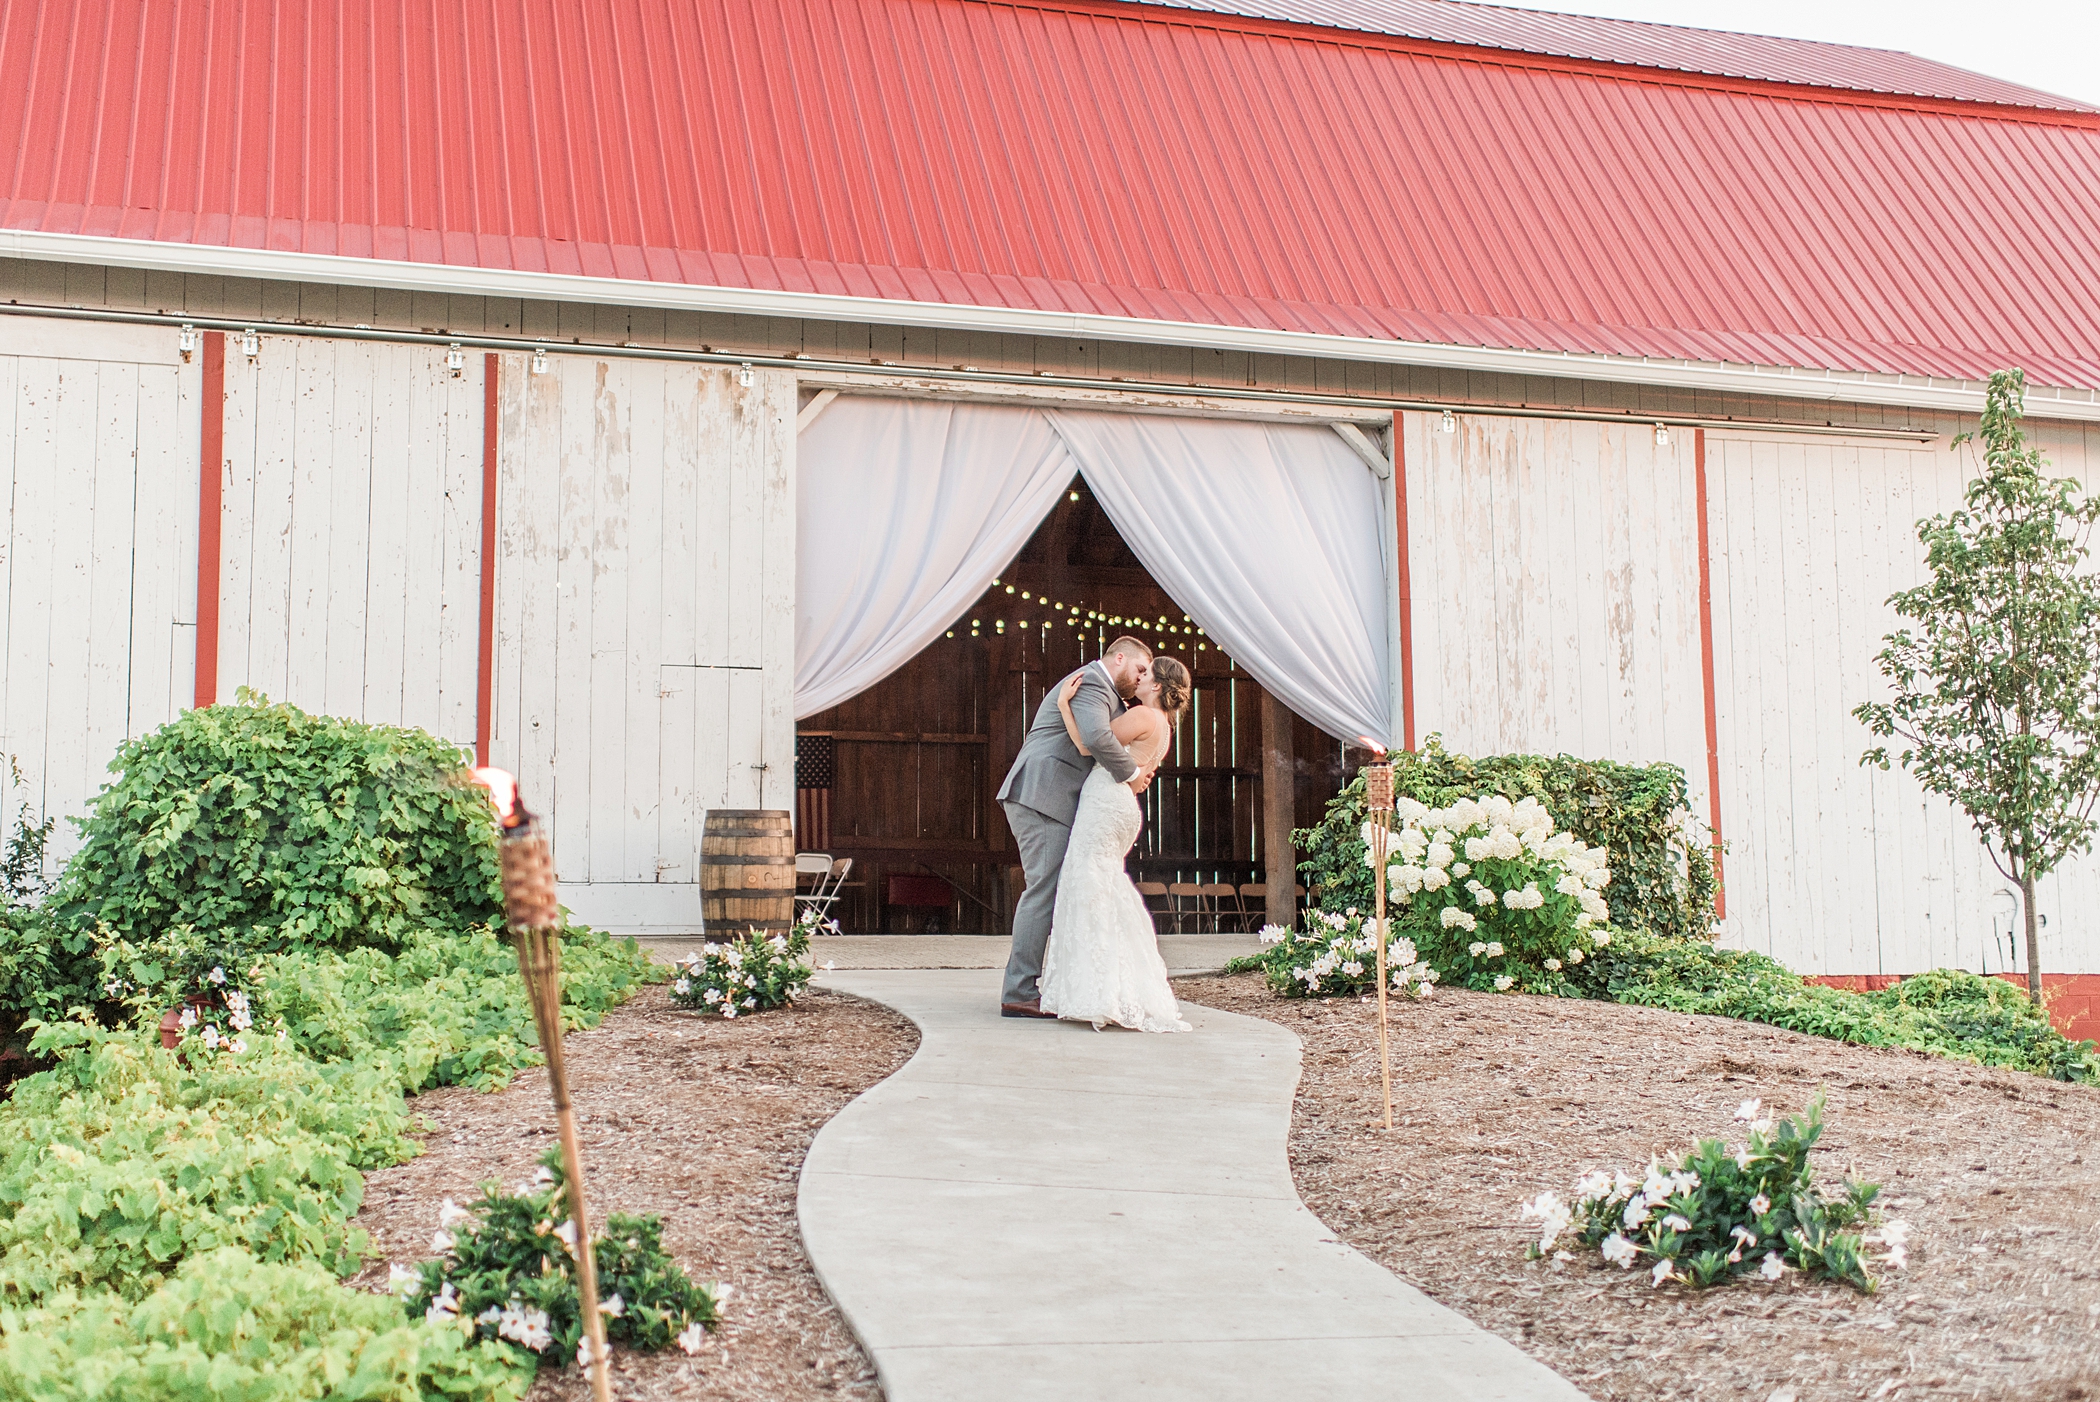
pixel 1503 983
pixel 1454 918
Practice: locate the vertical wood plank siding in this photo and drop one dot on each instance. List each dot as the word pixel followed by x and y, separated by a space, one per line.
pixel 1557 601
pixel 99 430
pixel 644 650
pixel 351 576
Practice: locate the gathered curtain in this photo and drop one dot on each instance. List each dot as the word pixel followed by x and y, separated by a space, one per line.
pixel 1267 534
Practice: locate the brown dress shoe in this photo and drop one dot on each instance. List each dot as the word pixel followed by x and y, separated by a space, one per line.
pixel 1024 1010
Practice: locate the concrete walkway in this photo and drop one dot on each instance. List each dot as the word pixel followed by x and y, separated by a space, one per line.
pixel 1185 954
pixel 1038 1210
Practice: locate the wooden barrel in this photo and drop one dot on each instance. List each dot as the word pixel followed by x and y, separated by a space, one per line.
pixel 747 871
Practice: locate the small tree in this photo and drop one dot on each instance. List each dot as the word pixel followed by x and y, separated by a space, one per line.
pixel 1997 691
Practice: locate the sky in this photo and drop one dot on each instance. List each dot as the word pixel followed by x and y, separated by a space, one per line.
pixel 2053 45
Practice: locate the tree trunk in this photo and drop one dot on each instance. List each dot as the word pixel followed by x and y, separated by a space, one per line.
pixel 2034 943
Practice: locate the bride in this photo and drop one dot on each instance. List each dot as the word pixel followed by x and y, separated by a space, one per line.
pixel 1103 963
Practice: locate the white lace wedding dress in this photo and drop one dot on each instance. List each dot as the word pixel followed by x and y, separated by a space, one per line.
pixel 1103 962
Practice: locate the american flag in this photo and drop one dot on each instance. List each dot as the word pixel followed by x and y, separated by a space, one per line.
pixel 815 763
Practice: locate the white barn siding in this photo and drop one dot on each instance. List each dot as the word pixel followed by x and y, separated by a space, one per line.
pixel 98 441
pixel 350 567
pixel 1832 867
pixel 644 639
pixel 1555 587
pixel 1554 570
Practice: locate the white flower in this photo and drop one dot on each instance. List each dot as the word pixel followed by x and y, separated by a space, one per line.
pixel 1569 885
pixel 1503 982
pixel 441 1241
pixel 1574 954
pixel 1554 965
pixel 526 1325
pixel 1461 869
pixel 1601 938
pixel 445 1308
pixel 1476 948
pixel 217 974
pixel 1553 1217
pixel 1454 918
pixel 543 1177
pixel 830 964
pixel 1479 849
pixel 684 985
pixel 451 1214
pixel 1635 1215
pixel 1619 1251
pixel 691 1337
pixel 1676 1222
pixel 402 1281
pixel 614 1307
pixel 1424 989
pixel 1592 1186
pixel 832 926
pixel 584 1356
pixel 1744 1238
pixel 1270 934
pixel 210 1037
pixel 1760 1205
pixel 188 1018
pixel 729 1010
pixel 1747 1111
pixel 1435 879
pixel 751 1002
pixel 567 1232
pixel 1664 1270
pixel 1773 1267
pixel 1896 1236
pixel 1494 949
pixel 236 1045
pixel 1352 968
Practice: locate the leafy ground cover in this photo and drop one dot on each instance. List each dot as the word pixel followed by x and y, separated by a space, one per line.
pixel 313 897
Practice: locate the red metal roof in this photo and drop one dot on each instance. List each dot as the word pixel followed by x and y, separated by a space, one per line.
pixel 1712 51
pixel 1077 155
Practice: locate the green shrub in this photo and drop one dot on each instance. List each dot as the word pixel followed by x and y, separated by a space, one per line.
pixel 509 1275
pixel 1662 877
pixel 273 829
pixel 229 1328
pixel 1718 1215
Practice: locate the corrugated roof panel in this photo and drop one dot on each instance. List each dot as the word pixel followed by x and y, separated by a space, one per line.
pixel 1719 53
pixel 1083 156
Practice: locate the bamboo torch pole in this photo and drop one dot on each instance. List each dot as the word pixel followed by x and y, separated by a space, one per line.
pixel 1378 798
pixel 534 916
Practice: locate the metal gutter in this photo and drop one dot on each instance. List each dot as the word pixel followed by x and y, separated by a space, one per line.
pixel 1154 397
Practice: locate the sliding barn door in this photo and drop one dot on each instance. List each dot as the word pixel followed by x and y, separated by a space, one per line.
pixel 644 607
pixel 98 526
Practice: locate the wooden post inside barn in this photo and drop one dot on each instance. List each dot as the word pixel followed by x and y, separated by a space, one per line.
pixel 1279 788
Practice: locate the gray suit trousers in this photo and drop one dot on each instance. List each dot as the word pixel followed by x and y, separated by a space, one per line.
pixel 1041 840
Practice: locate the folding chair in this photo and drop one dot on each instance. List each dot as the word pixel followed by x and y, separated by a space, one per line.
pixel 1224 898
pixel 1156 891
pixel 1185 903
pixel 1254 905
pixel 827 876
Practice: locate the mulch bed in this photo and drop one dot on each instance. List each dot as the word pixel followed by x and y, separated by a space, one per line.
pixel 1499 1097
pixel 705 1123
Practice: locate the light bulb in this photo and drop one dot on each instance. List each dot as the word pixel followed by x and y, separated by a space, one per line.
pixel 1075 496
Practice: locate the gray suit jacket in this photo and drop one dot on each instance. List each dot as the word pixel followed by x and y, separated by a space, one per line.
pixel 1049 770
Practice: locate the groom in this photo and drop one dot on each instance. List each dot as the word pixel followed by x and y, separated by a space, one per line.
pixel 1041 796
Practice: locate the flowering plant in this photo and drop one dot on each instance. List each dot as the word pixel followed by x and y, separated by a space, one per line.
pixel 504 1272
pixel 1718 1215
pixel 1492 895
pixel 748 972
pixel 1337 954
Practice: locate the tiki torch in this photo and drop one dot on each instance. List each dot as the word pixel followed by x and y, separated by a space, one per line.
pixel 1378 798
pixel 534 917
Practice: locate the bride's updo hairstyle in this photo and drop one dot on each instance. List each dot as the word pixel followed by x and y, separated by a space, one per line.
pixel 1173 679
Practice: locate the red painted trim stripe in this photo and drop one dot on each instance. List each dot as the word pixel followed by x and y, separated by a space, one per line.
pixel 1706 675
pixel 211 478
pixel 1407 596
pixel 485 663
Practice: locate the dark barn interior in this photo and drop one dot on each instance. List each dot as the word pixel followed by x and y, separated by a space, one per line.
pixel 902 777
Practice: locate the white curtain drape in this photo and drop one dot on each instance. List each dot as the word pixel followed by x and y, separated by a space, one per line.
pixel 1268 534
pixel 905 510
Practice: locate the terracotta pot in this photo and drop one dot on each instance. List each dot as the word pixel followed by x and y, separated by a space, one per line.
pixel 171 1029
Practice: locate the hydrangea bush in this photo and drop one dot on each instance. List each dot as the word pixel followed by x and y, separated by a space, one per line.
pixel 747 973
pixel 1718 1215
pixel 506 1274
pixel 1483 892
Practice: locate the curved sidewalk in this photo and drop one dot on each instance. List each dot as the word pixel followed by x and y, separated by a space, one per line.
pixel 1037 1210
